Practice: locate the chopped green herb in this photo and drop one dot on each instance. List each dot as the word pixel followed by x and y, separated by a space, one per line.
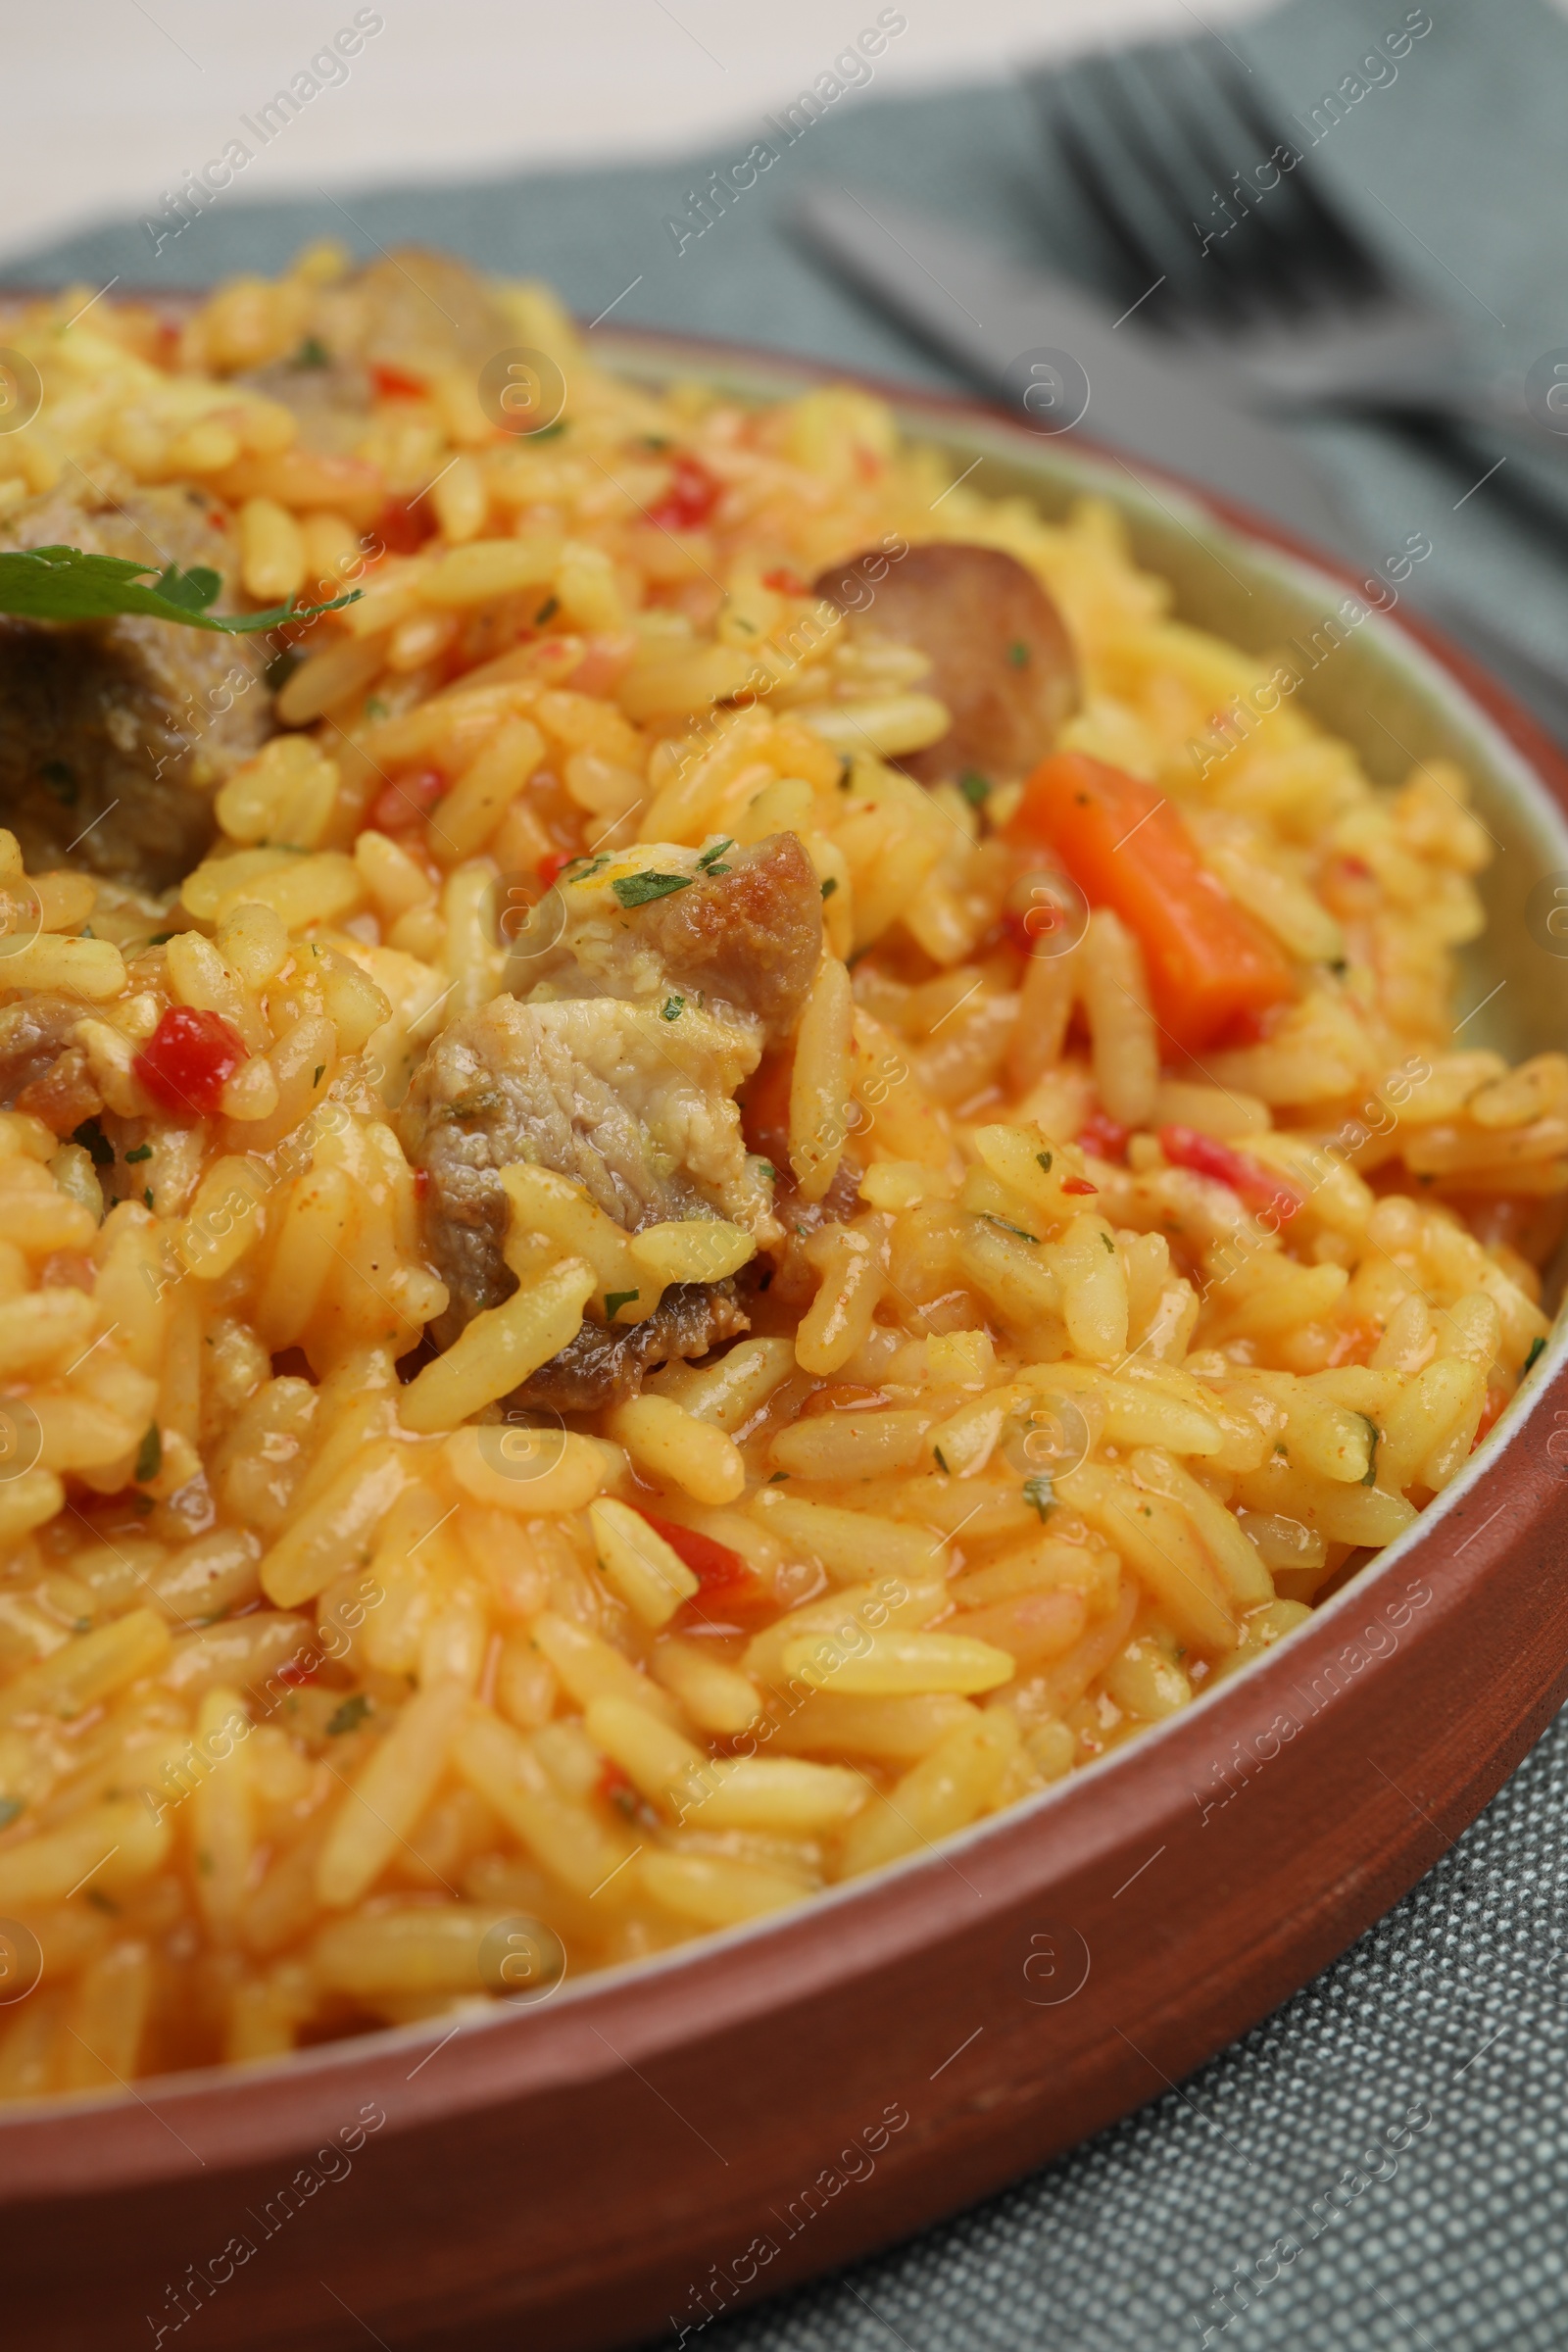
pixel 548 432
pixel 87 931
pixel 940 1459
pixel 589 867
pixel 376 708
pixel 1110 1243
pixel 614 1301
pixel 673 1008
pixel 349 1716
pixel 161 938
pixel 655 441
pixel 311 353
pixel 149 1455
pixel 317 1080
pixel 706 862
pixel 103 1903
pixel 547 612
pixel 975 787
pixel 92 1139
pixel 10 1807
pixel 1040 1494
pixel 1375 1437
pixel 62 583
pixel 1339 965
pixel 142 1151
pixel 147 1197
pixel 1018 654
pixel 1007 1228
pixel 778 1478
pixel 830 886
pixel 203 1862
pixel 1045 1158
pixel 766 1167
pixel 1281 1450
pixel 281 668
pixel 1537 1348
pixel 640 890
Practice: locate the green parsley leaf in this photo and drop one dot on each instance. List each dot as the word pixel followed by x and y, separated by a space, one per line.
pixel 614 1301
pixel 830 886
pixel 1018 654
pixel 150 1456
pixel 778 1478
pixel 1040 1494
pixel 62 583
pixel 941 1460
pixel 640 890
pixel 142 1151
pixel 148 1196
pixel 1007 1228
pixel 766 1167
pixel 1045 1159
pixel 317 1080
pixel 655 441
pixel 281 668
pixel 10 1807
pixel 1536 1350
pixel 548 432
pixel 311 353
pixel 673 1008
pixel 1376 1435
pixel 975 787
pixel 375 708
pixel 92 1139
pixel 547 612
pixel 1110 1245
pixel 706 864
pixel 349 1716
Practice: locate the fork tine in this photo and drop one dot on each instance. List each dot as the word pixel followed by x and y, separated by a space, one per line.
pixel 1126 104
pixel 1138 263
pixel 1256 255
pixel 1351 261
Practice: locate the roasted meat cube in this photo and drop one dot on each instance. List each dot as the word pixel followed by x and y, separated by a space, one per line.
pixel 619 1071
pixel 116 735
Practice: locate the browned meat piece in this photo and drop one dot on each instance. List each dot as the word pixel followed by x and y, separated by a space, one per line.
pixel 115 735
pixel 604 1363
pixel 738 930
pixel 1001 658
pixel 619 1071
pixel 419 313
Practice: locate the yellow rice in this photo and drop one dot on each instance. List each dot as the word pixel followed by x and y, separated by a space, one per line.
pixel 306 1701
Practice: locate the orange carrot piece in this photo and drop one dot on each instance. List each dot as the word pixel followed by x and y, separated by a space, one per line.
pixel 1210 964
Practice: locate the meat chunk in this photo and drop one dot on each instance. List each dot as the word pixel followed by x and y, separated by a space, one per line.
pixel 738 932
pixel 636 1109
pixel 645 1008
pixel 116 735
pixel 606 1362
pixel 1001 658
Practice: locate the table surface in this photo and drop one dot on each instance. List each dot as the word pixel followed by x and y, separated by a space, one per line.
pixel 557 143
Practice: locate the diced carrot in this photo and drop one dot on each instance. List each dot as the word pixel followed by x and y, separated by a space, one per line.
pixel 1209 962
pixel 396 384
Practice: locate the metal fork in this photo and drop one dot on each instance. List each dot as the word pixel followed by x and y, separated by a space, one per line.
pixel 1210 219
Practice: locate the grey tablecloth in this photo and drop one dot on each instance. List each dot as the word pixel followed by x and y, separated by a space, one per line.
pixel 1453 2006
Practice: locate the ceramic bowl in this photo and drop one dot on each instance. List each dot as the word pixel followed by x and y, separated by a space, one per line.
pixel 631 2157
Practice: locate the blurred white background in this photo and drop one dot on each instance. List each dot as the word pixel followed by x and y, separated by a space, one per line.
pixel 109 102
